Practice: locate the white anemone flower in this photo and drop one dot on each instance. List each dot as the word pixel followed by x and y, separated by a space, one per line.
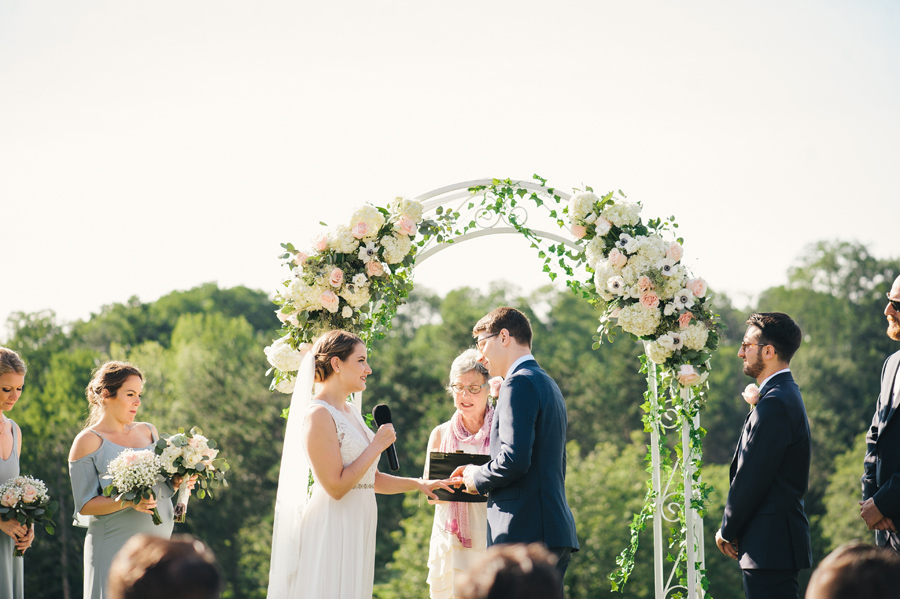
pixel 684 299
pixel 368 252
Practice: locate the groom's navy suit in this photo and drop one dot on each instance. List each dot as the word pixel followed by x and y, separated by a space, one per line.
pixel 525 479
pixel 881 478
pixel 769 476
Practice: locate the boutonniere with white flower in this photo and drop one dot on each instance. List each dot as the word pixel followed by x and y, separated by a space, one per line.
pixel 494 387
pixel 751 395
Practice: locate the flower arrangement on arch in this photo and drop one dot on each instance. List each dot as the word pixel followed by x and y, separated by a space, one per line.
pixel 642 286
pixel 353 277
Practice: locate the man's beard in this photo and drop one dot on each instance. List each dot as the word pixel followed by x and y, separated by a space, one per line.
pixel 754 369
pixel 893 330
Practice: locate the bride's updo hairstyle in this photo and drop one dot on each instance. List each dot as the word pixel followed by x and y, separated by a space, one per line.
pixel 333 344
pixel 110 377
pixel 11 362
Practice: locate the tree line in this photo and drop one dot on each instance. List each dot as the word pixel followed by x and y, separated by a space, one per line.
pixel 201 352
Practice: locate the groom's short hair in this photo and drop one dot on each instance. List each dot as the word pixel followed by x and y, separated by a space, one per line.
pixel 856 570
pixel 513 571
pixel 148 567
pixel 778 330
pixel 515 323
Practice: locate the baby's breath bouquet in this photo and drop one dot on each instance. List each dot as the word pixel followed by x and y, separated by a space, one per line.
pixel 26 500
pixel 186 455
pixel 133 474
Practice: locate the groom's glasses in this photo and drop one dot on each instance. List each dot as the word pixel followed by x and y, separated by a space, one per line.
pixel 744 346
pixel 895 304
pixel 480 342
pixel 472 389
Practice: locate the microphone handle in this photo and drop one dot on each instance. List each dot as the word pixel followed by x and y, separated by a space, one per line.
pixel 393 462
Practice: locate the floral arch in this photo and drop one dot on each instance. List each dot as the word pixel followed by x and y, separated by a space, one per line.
pixel 355 276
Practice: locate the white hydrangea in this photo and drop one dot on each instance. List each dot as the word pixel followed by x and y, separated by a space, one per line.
pixel 282 356
pixel 286 385
pixel 580 205
pixel 604 272
pixel 657 353
pixel 595 252
pixel 342 241
pixel 652 248
pixel 356 296
pixel 672 284
pixel 406 207
pixel 622 214
pixel 395 248
pixel 371 217
pixel 695 336
pixel 637 320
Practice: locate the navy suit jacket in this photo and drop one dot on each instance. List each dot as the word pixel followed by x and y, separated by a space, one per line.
pixel 881 476
pixel 525 479
pixel 769 476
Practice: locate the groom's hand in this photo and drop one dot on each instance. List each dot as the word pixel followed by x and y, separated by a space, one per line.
pixel 467 473
pixel 729 548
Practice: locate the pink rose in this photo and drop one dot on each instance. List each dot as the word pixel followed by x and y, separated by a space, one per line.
pixel 685 319
pixel 697 286
pixel 644 283
pixel 688 375
pixel 321 242
pixel 300 258
pixel 405 225
pixel 10 498
pixel 495 385
pixel 360 230
pixel 751 394
pixel 131 458
pixel 649 300
pixel 617 258
pixel 602 226
pixel 374 268
pixel 29 494
pixel 329 301
pixel 336 277
pixel 579 231
pixel 675 251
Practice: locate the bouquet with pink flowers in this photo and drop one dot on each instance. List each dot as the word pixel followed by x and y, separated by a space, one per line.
pixel 133 474
pixel 26 500
pixel 191 454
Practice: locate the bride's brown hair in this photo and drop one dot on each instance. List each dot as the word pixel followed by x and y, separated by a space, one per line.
pixel 333 344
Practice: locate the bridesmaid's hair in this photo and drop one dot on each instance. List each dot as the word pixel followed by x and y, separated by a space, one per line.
pixel 11 362
pixel 333 344
pixel 110 377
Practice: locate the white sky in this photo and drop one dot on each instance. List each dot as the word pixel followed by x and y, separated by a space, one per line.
pixel 156 145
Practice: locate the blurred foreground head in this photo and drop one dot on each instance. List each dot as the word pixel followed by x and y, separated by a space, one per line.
pixel 857 570
pixel 514 571
pixel 150 567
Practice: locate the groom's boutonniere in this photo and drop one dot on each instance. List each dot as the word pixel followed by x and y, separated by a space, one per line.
pixel 751 395
pixel 495 387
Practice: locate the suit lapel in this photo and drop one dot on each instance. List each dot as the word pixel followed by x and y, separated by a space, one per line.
pixel 888 385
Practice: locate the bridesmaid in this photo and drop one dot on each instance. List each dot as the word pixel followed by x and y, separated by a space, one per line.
pixel 12 382
pixel 114 395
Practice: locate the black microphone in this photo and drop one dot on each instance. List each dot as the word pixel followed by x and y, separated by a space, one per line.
pixel 382 415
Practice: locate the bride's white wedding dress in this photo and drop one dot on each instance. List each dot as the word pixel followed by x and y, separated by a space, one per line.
pixel 337 537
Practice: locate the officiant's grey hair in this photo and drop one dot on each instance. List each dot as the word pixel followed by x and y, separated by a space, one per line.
pixel 465 363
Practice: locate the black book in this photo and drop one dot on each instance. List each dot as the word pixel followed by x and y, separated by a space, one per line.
pixel 441 465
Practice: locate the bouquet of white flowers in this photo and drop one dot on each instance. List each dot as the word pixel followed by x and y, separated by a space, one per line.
pixel 190 454
pixel 133 474
pixel 25 499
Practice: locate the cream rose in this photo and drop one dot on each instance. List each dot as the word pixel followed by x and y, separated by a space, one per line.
pixel 675 251
pixel 329 301
pixel 697 286
pixel 374 268
pixel 649 300
pixel 751 394
pixel 336 278
pixel 360 230
pixel 405 225
pixel 684 320
pixel 617 258
pixel 579 231
pixel 688 376
pixel 29 494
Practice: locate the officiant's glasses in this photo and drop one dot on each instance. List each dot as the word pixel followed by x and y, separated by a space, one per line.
pixel 895 304
pixel 472 389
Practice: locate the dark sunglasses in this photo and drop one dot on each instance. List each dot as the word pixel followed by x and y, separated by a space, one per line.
pixel 895 304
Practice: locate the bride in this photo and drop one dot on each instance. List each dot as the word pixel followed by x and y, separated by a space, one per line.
pixel 323 544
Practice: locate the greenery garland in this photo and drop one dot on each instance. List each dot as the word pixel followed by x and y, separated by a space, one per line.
pixel 356 276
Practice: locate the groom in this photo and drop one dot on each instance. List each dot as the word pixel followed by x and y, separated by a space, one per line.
pixel 525 479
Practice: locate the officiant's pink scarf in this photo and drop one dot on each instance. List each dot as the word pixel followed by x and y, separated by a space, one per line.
pixel 458 522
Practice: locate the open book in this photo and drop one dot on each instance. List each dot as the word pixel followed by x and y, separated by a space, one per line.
pixel 441 465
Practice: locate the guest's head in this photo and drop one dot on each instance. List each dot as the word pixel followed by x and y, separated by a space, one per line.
pixel 149 567
pixel 513 572
pixel 892 311
pixel 114 392
pixel 341 359
pixel 502 336
pixel 770 342
pixel 857 570
pixel 469 385
pixel 12 378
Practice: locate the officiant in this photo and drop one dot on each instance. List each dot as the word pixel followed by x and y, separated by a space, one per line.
pixel 459 533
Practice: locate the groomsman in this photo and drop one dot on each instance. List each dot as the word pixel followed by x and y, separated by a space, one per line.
pixel 525 479
pixel 880 507
pixel 764 526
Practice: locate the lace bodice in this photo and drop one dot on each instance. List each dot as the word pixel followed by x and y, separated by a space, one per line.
pixel 351 440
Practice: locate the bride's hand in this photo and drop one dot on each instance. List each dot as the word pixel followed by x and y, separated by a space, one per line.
pixel 385 436
pixel 428 487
